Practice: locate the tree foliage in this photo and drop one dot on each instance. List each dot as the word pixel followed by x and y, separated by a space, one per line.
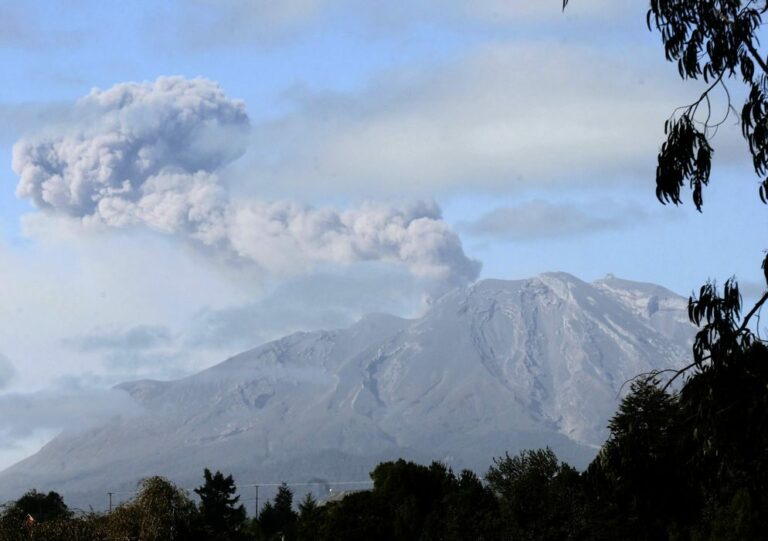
pixel 716 41
pixel 277 519
pixel 538 495
pixel 221 516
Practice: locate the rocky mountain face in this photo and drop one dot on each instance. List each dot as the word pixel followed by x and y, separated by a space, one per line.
pixel 494 367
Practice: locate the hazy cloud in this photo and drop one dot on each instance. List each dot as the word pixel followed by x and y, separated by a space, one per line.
pixel 505 117
pixel 206 23
pixel 138 352
pixel 150 154
pixel 64 408
pixel 14 28
pixel 140 337
pixel 523 11
pixel 316 301
pixel 538 219
pixel 21 28
pixel 7 371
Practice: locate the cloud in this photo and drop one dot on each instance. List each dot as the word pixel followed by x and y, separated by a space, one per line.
pixel 23 28
pixel 13 27
pixel 504 117
pixel 322 300
pixel 524 11
pixel 151 155
pixel 140 337
pixel 19 118
pixel 207 23
pixel 137 352
pixel 63 408
pixel 7 371
pixel 128 134
pixel 284 235
pixel 539 219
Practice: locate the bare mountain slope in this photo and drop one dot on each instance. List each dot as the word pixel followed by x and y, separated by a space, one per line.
pixel 497 366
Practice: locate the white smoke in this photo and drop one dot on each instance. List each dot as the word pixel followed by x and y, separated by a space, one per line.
pixel 149 154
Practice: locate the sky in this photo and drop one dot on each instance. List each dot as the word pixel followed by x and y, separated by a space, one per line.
pixel 181 180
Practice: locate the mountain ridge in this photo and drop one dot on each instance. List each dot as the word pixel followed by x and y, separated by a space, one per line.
pixel 496 366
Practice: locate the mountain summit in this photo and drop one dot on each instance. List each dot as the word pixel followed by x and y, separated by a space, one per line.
pixel 497 366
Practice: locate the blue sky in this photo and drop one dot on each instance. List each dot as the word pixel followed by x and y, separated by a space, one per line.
pixel 531 135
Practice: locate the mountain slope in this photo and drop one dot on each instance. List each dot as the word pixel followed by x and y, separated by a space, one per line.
pixel 497 366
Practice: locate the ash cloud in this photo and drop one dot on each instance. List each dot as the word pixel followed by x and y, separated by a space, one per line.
pixel 127 135
pixel 150 154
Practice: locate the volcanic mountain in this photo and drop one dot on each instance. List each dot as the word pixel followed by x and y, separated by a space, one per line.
pixel 497 366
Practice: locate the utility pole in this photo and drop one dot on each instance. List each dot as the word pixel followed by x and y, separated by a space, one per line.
pixel 110 501
pixel 256 505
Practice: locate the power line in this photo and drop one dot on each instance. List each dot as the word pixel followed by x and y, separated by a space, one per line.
pixel 322 483
pixel 256 487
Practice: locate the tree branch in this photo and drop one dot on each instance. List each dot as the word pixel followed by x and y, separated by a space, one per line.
pixel 752 312
pixel 756 56
pixel 678 374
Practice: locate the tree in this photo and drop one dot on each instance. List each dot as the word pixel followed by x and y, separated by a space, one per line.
pixel 471 510
pixel 221 516
pixel 310 517
pixel 539 496
pixel 411 497
pixel 160 511
pixel 33 510
pixel 411 501
pixel 724 398
pixel 278 519
pixel 358 515
pixel 40 507
pixel 716 41
pixel 638 483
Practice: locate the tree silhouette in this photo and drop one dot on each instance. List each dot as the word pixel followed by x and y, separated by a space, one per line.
pixel 310 517
pixel 723 405
pixel 538 495
pixel 41 507
pixel 220 513
pixel 277 519
pixel 637 479
pixel 160 511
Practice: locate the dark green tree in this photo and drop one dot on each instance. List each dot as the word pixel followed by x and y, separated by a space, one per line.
pixel 34 509
pixel 221 516
pixel 471 510
pixel 41 507
pixel 724 399
pixel 639 482
pixel 413 496
pixel 359 515
pixel 539 496
pixel 309 520
pixel 277 519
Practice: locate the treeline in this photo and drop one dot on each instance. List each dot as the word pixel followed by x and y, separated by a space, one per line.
pixel 689 465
